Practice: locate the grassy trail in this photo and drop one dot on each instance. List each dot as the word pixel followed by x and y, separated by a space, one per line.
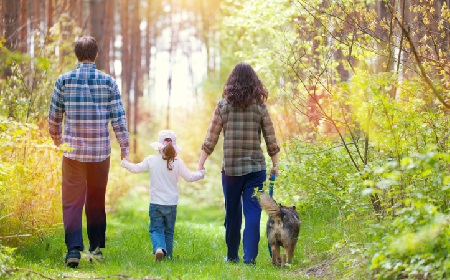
pixel 199 249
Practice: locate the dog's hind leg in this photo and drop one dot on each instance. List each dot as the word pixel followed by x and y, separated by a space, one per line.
pixel 276 259
pixel 283 260
pixel 290 254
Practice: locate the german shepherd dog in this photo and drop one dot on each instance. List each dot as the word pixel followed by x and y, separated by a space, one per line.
pixel 282 229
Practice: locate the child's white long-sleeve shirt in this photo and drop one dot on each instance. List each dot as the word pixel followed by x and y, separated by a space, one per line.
pixel 163 182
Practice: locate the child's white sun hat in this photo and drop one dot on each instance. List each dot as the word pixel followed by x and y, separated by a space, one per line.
pixel 164 137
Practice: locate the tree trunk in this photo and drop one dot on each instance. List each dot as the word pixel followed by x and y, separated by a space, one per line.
pixel 23 26
pixel 174 28
pixel 2 18
pixel 49 14
pixel 108 38
pixel 75 12
pixel 385 38
pixel 11 21
pixel 97 28
pixel 136 53
pixel 125 59
pixel 148 41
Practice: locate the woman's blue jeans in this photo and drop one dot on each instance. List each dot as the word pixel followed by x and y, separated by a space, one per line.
pixel 238 192
pixel 162 227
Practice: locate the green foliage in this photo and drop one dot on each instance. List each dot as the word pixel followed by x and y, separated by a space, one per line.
pixel 26 91
pixel 29 181
pixel 415 245
pixel 317 175
pixel 413 241
pixel 419 178
pixel 6 259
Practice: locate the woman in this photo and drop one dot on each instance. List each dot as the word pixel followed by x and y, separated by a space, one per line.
pixel 242 115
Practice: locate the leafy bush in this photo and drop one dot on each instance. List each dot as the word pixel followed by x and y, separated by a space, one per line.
pixel 30 182
pixel 415 245
pixel 411 237
pixel 413 240
pixel 30 200
pixel 6 260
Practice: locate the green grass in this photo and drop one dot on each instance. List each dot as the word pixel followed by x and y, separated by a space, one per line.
pixel 199 247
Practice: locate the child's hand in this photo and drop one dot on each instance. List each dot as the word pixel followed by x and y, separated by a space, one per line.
pixel 124 161
pixel 203 172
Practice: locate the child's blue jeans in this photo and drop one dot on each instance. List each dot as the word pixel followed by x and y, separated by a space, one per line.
pixel 162 227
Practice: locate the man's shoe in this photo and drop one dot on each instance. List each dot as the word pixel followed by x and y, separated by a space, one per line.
pixel 159 255
pixel 73 258
pixel 96 255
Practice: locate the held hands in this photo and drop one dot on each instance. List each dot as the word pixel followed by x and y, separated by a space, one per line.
pixel 201 167
pixel 201 162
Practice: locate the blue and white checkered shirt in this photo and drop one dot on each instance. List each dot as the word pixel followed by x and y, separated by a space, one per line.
pixel 88 99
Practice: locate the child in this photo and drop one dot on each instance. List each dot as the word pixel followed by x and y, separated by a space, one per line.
pixel 164 168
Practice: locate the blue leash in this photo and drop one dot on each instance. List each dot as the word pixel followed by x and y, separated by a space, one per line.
pixel 271 183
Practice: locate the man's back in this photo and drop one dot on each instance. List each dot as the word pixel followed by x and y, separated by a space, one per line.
pixel 88 99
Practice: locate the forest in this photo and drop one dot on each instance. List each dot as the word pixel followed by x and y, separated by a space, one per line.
pixel 359 94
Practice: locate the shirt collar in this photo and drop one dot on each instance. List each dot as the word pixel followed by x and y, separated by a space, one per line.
pixel 86 65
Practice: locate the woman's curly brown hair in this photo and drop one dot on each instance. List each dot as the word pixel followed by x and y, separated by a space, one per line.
pixel 243 87
pixel 169 155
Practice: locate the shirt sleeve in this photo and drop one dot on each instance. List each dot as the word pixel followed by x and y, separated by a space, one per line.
pixel 136 167
pixel 269 132
pixel 118 120
pixel 56 113
pixel 213 133
pixel 188 175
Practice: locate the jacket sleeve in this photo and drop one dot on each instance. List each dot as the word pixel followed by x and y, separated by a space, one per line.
pixel 187 175
pixel 213 133
pixel 56 113
pixel 119 120
pixel 136 167
pixel 269 132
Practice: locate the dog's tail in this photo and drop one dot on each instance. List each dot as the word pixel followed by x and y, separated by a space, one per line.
pixel 269 205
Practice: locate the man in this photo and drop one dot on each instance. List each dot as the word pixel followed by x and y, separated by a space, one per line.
pixel 87 99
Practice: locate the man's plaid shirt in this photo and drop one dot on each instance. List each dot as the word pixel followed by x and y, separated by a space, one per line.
pixel 88 99
pixel 242 152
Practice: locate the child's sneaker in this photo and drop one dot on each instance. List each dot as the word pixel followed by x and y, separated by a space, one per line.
pixel 96 255
pixel 73 258
pixel 159 255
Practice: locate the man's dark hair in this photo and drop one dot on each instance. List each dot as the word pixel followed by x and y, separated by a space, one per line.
pixel 86 48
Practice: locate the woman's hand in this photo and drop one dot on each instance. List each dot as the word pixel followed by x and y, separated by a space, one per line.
pixel 274 170
pixel 201 162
